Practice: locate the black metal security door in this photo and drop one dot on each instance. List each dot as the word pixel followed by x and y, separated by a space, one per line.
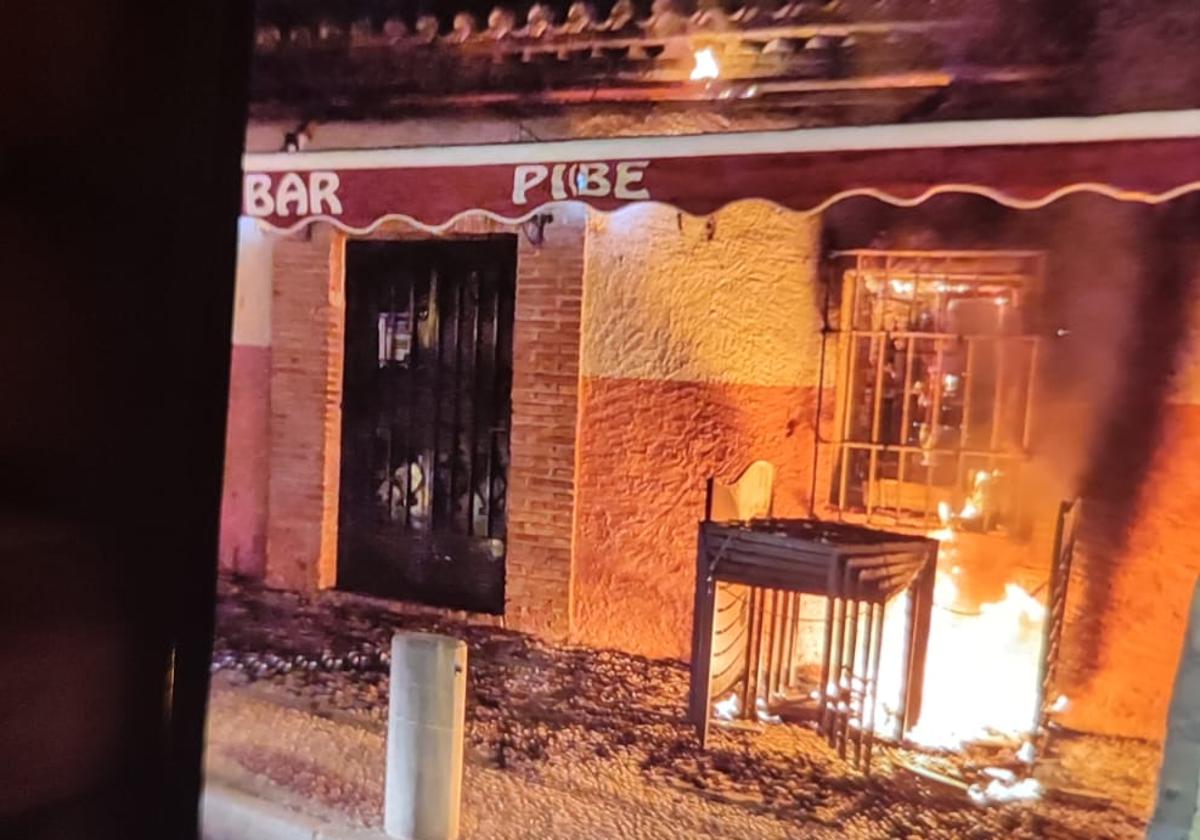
pixel 425 420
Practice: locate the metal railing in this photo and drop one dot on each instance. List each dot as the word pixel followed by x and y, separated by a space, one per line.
pixel 937 382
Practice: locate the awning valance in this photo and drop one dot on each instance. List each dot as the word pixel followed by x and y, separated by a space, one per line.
pixel 1021 163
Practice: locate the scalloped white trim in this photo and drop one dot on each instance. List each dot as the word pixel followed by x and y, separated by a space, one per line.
pixel 1132 196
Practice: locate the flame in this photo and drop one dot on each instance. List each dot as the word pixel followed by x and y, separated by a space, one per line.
pixel 981 667
pixel 945 513
pixel 706 65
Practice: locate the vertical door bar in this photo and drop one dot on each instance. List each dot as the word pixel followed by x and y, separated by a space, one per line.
pixel 386 371
pixel 453 508
pixel 876 418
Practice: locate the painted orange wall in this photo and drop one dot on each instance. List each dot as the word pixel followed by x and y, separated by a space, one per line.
pixel 699 354
pixel 1126 689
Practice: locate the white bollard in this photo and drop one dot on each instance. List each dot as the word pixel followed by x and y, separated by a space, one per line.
pixel 425 737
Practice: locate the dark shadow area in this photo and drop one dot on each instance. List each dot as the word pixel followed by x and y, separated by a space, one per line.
pixel 119 166
pixel 1125 448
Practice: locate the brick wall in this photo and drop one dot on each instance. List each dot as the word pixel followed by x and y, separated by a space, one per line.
pixel 308 316
pixel 306 381
pixel 541 500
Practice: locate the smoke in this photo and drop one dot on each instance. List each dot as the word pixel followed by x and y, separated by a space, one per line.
pixel 1129 430
pixel 1088 295
pixel 1114 311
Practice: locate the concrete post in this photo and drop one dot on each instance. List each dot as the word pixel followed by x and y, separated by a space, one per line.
pixel 1175 814
pixel 425 737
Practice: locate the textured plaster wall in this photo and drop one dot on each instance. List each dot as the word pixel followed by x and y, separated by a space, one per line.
pixel 1127 689
pixel 726 300
pixel 700 353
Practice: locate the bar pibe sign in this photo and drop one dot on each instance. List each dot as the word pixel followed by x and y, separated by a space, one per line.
pixel 621 180
pixel 316 193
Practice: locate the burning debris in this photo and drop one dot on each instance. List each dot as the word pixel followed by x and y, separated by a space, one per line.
pixel 756 650
pixel 983 664
pixel 533 707
pixel 982 676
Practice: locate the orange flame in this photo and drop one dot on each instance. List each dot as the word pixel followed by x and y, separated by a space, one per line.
pixel 981 667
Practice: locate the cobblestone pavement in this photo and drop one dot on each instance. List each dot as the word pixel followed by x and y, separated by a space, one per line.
pixel 573 742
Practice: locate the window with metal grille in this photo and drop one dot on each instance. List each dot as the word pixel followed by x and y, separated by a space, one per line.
pixel 935 396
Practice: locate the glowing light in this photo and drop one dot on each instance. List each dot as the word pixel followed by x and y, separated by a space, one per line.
pixel 973 508
pixel 950 383
pixel 945 592
pixel 726 709
pixel 981 669
pixel 955 288
pixel 903 288
pixel 998 791
pixel 945 512
pixel 706 65
pixel 1060 705
pixel 763 714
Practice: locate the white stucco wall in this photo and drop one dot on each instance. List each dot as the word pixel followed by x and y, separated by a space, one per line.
pixel 729 299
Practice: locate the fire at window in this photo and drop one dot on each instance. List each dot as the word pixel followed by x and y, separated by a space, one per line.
pixel 937 380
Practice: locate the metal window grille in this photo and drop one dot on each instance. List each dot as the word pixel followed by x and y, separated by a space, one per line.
pixel 936 385
pixel 426 419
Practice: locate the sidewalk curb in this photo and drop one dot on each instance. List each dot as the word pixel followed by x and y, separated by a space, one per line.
pixel 228 814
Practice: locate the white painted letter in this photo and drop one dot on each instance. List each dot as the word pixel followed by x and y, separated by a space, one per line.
pixel 629 173
pixel 322 190
pixel 526 178
pixel 291 190
pixel 557 190
pixel 256 195
pixel 593 180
